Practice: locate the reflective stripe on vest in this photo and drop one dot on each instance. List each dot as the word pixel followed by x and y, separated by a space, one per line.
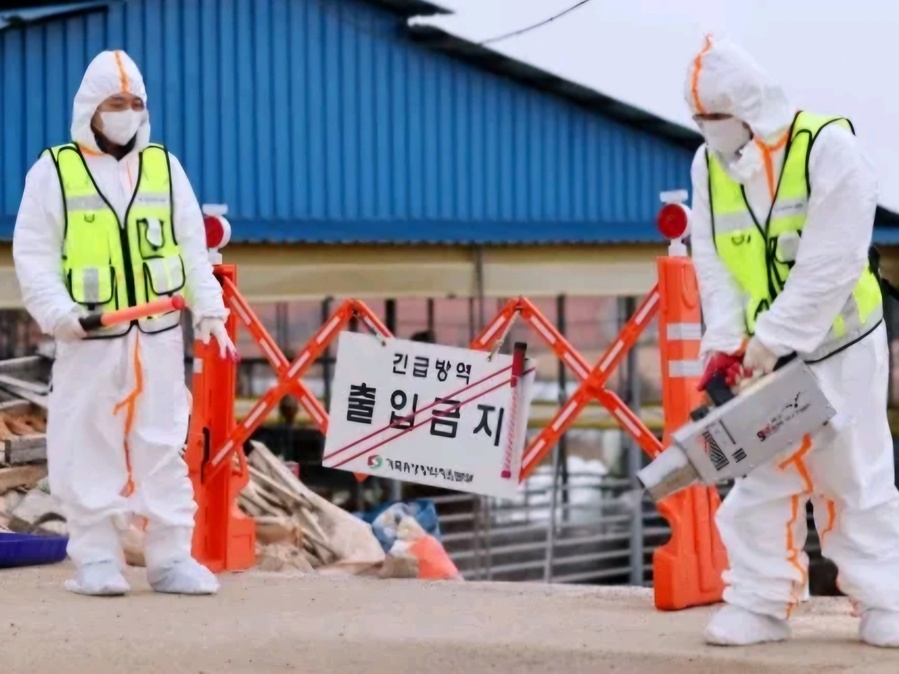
pixel 761 255
pixel 107 266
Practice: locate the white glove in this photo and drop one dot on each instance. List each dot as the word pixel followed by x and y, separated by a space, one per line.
pixel 68 328
pixel 759 358
pixel 215 327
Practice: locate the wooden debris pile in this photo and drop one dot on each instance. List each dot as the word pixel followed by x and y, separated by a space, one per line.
pixel 25 503
pixel 23 433
pixel 286 521
pixel 296 529
pixel 24 390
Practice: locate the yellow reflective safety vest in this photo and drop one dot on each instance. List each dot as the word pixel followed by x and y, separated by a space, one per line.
pixel 111 265
pixel 761 255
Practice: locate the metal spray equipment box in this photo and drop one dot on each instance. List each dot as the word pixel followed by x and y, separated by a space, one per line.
pixel 766 418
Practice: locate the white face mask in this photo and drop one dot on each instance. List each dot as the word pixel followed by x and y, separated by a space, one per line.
pixel 119 127
pixel 725 136
pixel 744 167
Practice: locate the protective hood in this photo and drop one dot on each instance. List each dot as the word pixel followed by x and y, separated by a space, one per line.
pixel 110 73
pixel 724 79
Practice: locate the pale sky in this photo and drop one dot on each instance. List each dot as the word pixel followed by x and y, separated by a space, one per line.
pixel 831 56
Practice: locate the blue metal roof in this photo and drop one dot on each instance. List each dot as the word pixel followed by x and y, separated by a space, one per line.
pixel 39 12
pixel 324 120
pixel 330 121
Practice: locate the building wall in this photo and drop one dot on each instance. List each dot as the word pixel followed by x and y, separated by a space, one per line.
pixel 321 120
pixel 279 273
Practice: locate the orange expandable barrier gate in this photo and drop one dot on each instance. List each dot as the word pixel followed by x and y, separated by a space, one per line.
pixel 224 538
pixel 687 569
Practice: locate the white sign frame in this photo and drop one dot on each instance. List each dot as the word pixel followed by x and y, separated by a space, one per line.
pixel 469 425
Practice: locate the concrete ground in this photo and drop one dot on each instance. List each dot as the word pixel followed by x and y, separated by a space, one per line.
pixel 267 623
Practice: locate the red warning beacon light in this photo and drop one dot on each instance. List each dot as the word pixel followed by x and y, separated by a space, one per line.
pixel 215 231
pixel 673 220
pixel 218 230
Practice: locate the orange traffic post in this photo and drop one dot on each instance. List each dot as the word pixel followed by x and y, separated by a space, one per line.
pixel 687 570
pixel 224 538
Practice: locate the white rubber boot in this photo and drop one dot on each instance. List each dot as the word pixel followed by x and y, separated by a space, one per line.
pixel 880 628
pixel 735 626
pixel 101 579
pixel 185 577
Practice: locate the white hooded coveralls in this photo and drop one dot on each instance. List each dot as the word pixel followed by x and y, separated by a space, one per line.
pixel 849 479
pixel 98 384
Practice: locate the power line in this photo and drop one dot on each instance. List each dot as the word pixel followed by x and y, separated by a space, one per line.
pixel 536 25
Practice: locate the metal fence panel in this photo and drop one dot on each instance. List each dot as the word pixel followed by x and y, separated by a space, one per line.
pixel 586 538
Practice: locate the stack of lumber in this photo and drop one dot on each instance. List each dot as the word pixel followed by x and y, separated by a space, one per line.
pixel 23 433
pixel 25 504
pixel 296 529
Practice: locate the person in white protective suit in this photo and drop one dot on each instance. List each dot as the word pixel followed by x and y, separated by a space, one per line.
pixel 108 221
pixel 782 217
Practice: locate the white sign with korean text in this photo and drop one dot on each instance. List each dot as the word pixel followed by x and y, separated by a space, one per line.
pixel 428 413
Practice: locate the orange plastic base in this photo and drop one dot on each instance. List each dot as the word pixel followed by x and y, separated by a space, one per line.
pixel 231 550
pixel 687 569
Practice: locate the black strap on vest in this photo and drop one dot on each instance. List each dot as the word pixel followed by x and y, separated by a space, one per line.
pixel 874 265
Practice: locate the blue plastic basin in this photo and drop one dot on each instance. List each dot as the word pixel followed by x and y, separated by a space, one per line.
pixel 30 550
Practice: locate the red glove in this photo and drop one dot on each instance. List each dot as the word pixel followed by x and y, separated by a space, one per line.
pixel 728 364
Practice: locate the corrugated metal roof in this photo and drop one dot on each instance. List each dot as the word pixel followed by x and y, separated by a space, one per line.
pixel 328 121
pixel 412 7
pixel 594 100
pixel 487 58
pixel 886 236
pixel 305 111
pixel 19 15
